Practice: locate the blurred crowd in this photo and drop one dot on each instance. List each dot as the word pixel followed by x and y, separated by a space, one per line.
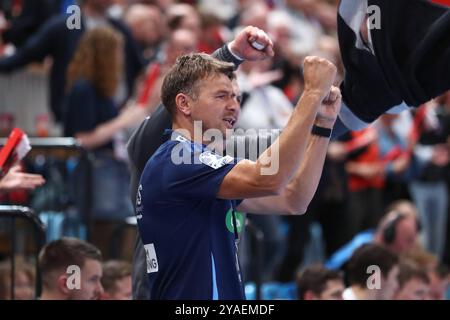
pixel 383 196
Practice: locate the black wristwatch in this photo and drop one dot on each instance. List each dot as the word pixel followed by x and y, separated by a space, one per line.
pixel 321 131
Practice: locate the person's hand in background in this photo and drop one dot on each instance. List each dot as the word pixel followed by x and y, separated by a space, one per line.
pixel 3 27
pixel 17 180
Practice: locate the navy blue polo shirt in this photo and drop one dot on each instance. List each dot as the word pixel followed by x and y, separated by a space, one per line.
pixel 187 232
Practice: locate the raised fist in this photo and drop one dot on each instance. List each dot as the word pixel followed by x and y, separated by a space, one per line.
pixel 319 75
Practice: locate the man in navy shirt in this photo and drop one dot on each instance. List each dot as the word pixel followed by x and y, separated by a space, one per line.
pixel 188 194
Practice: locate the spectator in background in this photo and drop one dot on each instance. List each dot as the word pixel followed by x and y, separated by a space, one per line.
pixel 24 19
pixel 54 39
pixel 147 25
pixel 161 4
pixel 437 272
pixel 214 34
pixel 16 180
pixel 430 190
pixel 439 281
pixel 184 16
pixel 358 276
pixel 264 106
pixel 413 281
pixel 179 42
pixel 116 280
pixel 365 179
pixel 24 282
pixel 279 24
pixel 92 117
pixel 255 15
pixel 397 231
pixel 395 145
pixel 79 282
pixel 318 283
pixel 421 258
pixel 306 27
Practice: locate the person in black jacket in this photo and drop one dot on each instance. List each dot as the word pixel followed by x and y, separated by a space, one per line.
pixel 56 40
pixel 32 16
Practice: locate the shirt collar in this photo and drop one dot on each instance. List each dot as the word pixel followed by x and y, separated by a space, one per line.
pixel 176 136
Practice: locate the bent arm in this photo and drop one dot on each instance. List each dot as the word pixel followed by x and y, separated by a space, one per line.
pixel 35 49
pixel 296 197
pixel 275 168
pixel 247 178
pixel 103 133
pixel 300 190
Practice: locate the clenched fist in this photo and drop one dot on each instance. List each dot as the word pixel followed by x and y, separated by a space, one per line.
pixel 242 44
pixel 329 109
pixel 319 75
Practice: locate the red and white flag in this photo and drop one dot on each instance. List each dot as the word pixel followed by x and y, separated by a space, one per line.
pixel 15 149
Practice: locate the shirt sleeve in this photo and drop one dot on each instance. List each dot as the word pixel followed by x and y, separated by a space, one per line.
pixel 36 48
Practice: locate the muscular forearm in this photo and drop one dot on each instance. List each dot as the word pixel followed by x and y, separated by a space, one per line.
pixel 290 146
pixel 301 189
pixel 297 195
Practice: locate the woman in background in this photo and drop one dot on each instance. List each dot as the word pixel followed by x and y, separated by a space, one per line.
pixel 92 117
pixel 24 282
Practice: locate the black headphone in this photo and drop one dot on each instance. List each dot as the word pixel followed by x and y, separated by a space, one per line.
pixel 389 230
pixel 390 227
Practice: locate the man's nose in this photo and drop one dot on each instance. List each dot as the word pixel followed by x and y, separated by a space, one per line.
pixel 99 289
pixel 234 104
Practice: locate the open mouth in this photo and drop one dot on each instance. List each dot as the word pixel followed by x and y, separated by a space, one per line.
pixel 230 122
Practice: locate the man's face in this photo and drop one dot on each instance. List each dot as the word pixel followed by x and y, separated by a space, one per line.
pixel 182 42
pixel 90 285
pixel 333 290
pixel 437 287
pixel 406 235
pixel 414 289
pixel 389 284
pixel 149 31
pixel 123 289
pixel 23 287
pixel 217 103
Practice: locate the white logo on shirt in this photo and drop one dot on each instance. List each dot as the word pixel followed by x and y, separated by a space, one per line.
pixel 213 160
pixel 139 207
pixel 152 261
pixel 181 139
pixel 139 197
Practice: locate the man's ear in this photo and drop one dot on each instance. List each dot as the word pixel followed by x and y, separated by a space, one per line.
pixel 309 295
pixel 62 284
pixel 183 104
